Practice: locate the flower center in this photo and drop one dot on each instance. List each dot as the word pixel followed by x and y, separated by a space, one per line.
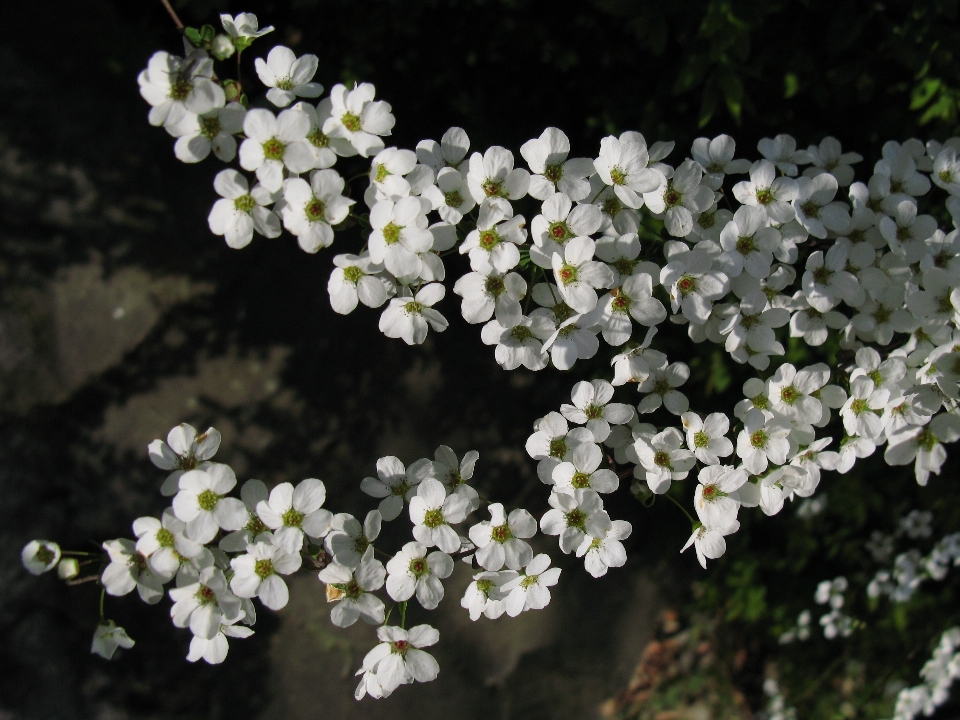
pixel 621 303
pixel 859 406
pixel 558 448
pixel 709 492
pixel 821 275
pixel 580 480
pixel 402 488
pixel 351 122
pixel 701 439
pixel 759 402
pixel 361 544
pixel 165 538
pixel 353 274
pixel 413 307
pixel 611 206
pixel 661 387
pixel 764 196
pixel 381 174
pixel 180 89
pixel 686 285
pixel 45 555
pixel 569 330
pixel 314 210
pixel 453 199
pixel 528 581
pixel 745 245
pixel 553 173
pixel 882 315
pixel 207 500
pixel 618 176
pixel 759 439
pixel 501 533
pixel 562 311
pixel 577 518
pixel 284 84
pixel 926 440
pixel 946 176
pixel 559 232
pixel 273 149
pixel 419 567
pixel 263 569
pixel 789 395
pixel 318 139
pixel 568 274
pixel 433 518
pixel 521 333
pixel 662 459
pixel 209 126
pixel 255 525
pixel 706 220
pixel 594 412
pixel 672 198
pixel 245 204
pixel 391 233
pixel 494 286
pixel 810 209
pixel 943 303
pixel 205 595
pixel 292 518
pixel 489 239
pixel 400 647
pixel 492 188
pixel 485 585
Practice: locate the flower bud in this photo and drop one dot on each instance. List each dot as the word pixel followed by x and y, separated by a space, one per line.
pixel 221 47
pixel 68 568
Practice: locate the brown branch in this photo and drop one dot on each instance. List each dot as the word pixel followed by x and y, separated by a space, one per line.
pixel 173 14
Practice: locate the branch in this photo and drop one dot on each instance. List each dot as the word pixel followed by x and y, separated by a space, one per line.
pixel 173 14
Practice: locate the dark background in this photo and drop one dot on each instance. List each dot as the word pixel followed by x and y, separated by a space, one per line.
pixel 121 316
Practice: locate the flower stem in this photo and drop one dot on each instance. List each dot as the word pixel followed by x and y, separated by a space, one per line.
pixel 103 593
pixel 682 508
pixel 173 14
pixel 403 614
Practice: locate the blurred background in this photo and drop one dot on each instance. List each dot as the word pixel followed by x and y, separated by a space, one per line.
pixel 121 316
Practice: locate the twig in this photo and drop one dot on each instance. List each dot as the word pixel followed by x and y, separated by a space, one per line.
pixel 173 14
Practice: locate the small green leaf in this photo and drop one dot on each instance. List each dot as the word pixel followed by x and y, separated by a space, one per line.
pixel 791 84
pixel 193 35
pixel 924 93
pixel 206 33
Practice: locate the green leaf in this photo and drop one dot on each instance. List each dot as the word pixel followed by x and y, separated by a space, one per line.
pixel 206 33
pixel 193 35
pixel 924 92
pixel 791 84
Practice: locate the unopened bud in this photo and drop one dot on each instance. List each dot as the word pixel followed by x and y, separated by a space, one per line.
pixel 68 568
pixel 221 47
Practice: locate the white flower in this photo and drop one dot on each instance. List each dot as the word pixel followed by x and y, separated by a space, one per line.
pixel 107 638
pixel 693 285
pixel 547 158
pixel 939 301
pixel 449 152
pixel 492 175
pixel 500 540
pixel 257 573
pixel 450 196
pixel 900 166
pixel 716 158
pixel 623 166
pixel 922 444
pixel 559 222
pixel 184 450
pixel 591 405
pixel 946 171
pixel 748 243
pixel 861 411
pixel 241 210
pixel 828 158
pixel 571 509
pixel 601 548
pixel 634 300
pixel 707 438
pixel 202 505
pixel 791 392
pixel 815 208
pixel 582 471
pixel 127 570
pixel 413 571
pixel 709 542
pixel 664 459
pixel 408 318
pixel 762 441
pixel 244 25
pixel 353 280
pixel 782 150
pixel 197 135
pixel 292 513
pixel 325 149
pixel 164 543
pixel 752 326
pixel 574 339
pixel 288 76
pixel 484 597
pixel 311 208
pixel 520 342
pixel 274 143
pixel 39 556
pixel 348 540
pixel 712 500
pixel 398 659
pixel 214 651
pixel 354 589
pixel 485 293
pixel 204 605
pixel 493 245
pixel 811 324
pixel 354 116
pixel 660 388
pixel 826 280
pixel 531 589
pixel 252 494
pixel 432 512
pixel 578 276
pixel 766 190
pixel 176 87
pixel 395 484
pixel 553 442
pixel 681 199
pixel 454 475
